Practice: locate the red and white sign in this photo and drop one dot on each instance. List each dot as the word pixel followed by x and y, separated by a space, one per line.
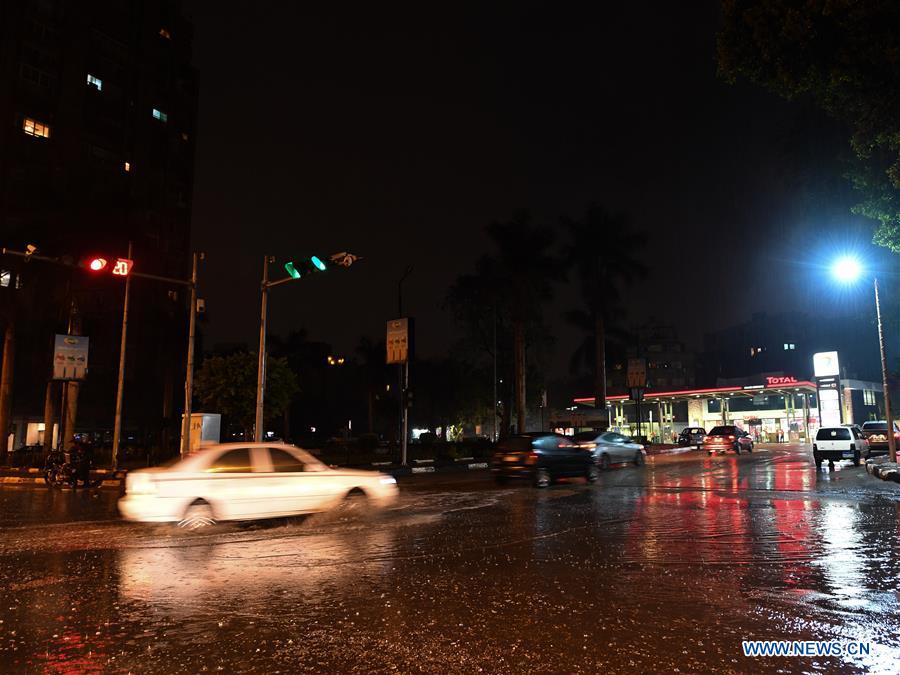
pixel 122 267
pixel 782 379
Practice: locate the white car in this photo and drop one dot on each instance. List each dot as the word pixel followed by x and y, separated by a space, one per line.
pixel 247 481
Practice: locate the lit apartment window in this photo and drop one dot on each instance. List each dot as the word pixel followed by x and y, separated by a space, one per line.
pixel 6 276
pixel 165 33
pixel 184 136
pixel 35 128
pixel 127 167
pixel 868 397
pixel 95 82
pixel 160 115
pixel 792 345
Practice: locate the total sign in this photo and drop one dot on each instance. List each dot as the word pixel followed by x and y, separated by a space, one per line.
pixel 784 379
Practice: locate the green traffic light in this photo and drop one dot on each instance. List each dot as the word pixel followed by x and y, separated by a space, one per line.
pixel 293 271
pixel 318 263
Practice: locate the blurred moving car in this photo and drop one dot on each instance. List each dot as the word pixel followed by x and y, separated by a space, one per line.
pixel 691 436
pixel 727 437
pixel 541 457
pixel 875 432
pixel 247 481
pixel 609 447
pixel 838 443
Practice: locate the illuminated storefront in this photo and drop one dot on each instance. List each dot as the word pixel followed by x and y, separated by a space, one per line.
pixel 769 408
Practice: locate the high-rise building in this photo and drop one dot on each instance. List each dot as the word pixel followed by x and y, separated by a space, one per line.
pixel 98 103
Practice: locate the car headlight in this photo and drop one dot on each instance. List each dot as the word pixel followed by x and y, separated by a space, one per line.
pixel 388 480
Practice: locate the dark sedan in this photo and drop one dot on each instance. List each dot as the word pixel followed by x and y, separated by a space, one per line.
pixel 727 437
pixel 541 457
pixel 875 432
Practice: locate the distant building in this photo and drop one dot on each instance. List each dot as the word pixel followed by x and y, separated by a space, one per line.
pixel 669 362
pixel 784 344
pixel 98 102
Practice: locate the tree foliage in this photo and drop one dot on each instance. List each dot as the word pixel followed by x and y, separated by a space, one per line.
pixel 603 252
pixel 844 55
pixel 227 385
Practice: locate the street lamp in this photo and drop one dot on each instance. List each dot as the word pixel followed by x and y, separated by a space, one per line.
pixel 847 269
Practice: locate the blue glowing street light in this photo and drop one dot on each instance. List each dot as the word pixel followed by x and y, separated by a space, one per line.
pixel 847 269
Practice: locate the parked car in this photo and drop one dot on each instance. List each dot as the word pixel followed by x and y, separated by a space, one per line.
pixel 875 432
pixel 691 436
pixel 541 457
pixel 609 447
pixel 247 481
pixel 728 437
pixel 839 443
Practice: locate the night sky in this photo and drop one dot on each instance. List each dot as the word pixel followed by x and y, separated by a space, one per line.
pixel 398 132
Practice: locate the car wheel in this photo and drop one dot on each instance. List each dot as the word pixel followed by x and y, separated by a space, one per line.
pixel 197 516
pixel 604 462
pixel 856 458
pixel 638 458
pixel 591 474
pixel 750 447
pixel 355 503
pixel 737 448
pixel 542 478
pixel 817 460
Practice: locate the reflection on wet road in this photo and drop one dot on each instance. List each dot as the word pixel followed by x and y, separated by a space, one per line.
pixel 669 566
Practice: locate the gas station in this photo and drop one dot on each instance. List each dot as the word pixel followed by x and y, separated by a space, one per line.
pixel 770 407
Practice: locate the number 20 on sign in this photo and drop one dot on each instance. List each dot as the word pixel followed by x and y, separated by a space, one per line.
pixel 122 267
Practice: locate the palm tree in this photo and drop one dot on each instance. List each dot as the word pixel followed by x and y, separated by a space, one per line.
pixel 526 268
pixel 603 252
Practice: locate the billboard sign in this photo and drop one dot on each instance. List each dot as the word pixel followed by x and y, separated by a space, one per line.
pixel 825 364
pixel 70 357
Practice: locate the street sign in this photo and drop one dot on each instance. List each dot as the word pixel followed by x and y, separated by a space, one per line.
pixel 637 373
pixel 70 357
pixel 397 341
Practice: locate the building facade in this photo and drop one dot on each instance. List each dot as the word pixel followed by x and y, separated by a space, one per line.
pixel 98 103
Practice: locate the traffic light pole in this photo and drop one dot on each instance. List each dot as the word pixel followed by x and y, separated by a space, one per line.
pixel 261 364
pixel 120 384
pixel 889 418
pixel 342 259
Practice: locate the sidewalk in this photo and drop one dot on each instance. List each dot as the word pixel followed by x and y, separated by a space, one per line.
pixel 32 476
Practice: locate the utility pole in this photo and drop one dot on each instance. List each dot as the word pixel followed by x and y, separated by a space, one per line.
pixel 189 368
pixel 261 364
pixel 403 375
pixel 120 385
pixel 494 401
pixel 889 418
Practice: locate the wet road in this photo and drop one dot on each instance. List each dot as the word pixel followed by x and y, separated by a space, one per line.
pixel 653 569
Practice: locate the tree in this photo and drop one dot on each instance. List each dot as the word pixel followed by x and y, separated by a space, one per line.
pixel 227 385
pixel 602 251
pixel 842 55
pixel 509 287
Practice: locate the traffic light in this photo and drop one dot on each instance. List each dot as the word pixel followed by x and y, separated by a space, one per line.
pixel 94 263
pixel 121 267
pixel 305 267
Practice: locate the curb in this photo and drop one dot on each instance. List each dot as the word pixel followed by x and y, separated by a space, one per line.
pixel 883 469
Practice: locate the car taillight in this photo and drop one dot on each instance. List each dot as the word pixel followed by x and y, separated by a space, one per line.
pixel 708 439
pixel 532 457
pixel 731 438
pixel 897 434
pixel 586 445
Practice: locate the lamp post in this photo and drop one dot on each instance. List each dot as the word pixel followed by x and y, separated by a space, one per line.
pixel 848 269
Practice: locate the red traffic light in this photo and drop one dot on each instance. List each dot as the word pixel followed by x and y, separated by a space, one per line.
pixel 122 267
pixel 97 264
